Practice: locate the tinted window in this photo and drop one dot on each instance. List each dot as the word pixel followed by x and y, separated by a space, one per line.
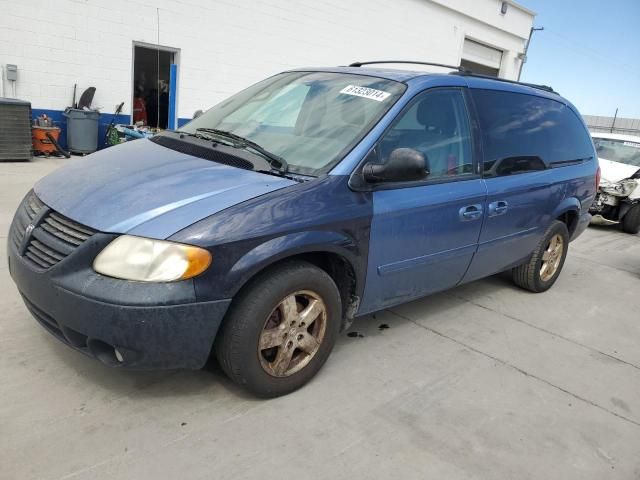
pixel 437 126
pixel 521 132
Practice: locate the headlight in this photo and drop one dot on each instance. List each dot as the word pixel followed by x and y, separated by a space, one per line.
pixel 147 260
pixel 623 188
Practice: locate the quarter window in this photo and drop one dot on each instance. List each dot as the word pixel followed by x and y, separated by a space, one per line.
pixel 437 126
pixel 523 133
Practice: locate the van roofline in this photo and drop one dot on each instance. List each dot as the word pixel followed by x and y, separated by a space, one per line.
pixel 457 70
pixel 472 80
pixel 412 62
pixel 405 75
pixel 385 73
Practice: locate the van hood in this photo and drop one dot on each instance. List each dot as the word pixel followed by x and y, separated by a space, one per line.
pixel 613 172
pixel 145 189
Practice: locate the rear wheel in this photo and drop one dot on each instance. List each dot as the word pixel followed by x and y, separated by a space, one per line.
pixel 280 330
pixel 544 266
pixel 631 220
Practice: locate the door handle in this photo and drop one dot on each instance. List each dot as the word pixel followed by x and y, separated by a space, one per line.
pixel 498 208
pixel 470 212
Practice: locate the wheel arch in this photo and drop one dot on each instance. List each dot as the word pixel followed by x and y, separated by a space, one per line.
pixel 333 252
pixel 568 212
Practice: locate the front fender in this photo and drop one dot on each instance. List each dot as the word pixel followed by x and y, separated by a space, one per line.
pixel 322 215
pixel 280 248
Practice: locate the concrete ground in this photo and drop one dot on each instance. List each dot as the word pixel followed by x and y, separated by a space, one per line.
pixel 485 381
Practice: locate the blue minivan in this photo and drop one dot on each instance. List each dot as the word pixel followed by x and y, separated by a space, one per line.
pixel 262 228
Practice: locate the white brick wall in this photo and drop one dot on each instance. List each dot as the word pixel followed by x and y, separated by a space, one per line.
pixel 226 45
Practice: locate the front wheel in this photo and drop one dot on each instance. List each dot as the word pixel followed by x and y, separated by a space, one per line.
pixel 546 262
pixel 631 220
pixel 280 330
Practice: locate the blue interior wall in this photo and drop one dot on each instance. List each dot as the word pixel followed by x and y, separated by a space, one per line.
pixel 173 76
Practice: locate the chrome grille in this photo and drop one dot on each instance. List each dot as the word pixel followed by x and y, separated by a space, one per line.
pixel 54 236
pixel 65 229
pixel 26 213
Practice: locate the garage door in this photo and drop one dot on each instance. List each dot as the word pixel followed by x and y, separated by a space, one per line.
pixel 480 58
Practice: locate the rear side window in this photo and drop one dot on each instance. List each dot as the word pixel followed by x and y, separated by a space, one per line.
pixel 523 133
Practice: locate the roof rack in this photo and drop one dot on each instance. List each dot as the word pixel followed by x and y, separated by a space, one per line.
pixel 459 68
pixel 469 73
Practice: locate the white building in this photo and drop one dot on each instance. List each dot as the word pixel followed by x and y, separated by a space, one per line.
pixel 222 46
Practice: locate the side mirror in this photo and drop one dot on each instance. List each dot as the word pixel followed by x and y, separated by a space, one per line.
pixel 404 164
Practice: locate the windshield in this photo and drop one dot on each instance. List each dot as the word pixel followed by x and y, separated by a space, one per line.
pixel 310 119
pixel 622 151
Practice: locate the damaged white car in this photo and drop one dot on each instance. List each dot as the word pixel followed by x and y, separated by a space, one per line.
pixel 618 198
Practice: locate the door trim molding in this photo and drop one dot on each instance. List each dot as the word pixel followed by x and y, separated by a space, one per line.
pixel 410 263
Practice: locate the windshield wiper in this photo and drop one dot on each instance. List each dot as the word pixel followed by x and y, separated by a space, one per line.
pixel 197 135
pixel 241 142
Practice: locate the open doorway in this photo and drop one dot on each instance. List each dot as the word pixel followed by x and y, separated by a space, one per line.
pixel 151 84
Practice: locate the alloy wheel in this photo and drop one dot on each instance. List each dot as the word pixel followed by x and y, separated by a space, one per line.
pixel 551 257
pixel 292 334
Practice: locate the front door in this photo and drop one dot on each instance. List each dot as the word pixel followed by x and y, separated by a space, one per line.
pixel 424 235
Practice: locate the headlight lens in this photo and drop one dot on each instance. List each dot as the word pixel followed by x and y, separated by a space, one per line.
pixel 147 260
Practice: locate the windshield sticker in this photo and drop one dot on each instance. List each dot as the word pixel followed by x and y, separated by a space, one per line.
pixel 365 92
pixel 631 144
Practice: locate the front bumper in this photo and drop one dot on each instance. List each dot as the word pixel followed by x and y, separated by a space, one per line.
pixel 598 219
pixel 605 209
pixel 121 323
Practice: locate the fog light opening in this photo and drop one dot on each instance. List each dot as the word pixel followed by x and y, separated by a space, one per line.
pixel 118 355
pixel 104 352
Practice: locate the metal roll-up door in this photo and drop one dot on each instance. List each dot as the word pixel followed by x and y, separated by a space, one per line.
pixel 480 58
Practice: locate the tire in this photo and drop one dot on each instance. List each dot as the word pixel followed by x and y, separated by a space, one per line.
pixel 257 319
pixel 530 275
pixel 631 220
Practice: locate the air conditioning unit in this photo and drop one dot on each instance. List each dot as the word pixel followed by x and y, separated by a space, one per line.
pixel 15 130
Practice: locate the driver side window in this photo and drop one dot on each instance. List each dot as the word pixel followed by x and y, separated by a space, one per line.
pixel 437 126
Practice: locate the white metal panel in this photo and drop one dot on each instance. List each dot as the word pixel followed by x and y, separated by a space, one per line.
pixel 482 54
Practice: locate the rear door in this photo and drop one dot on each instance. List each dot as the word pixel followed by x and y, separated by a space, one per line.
pixel 424 234
pixel 520 144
